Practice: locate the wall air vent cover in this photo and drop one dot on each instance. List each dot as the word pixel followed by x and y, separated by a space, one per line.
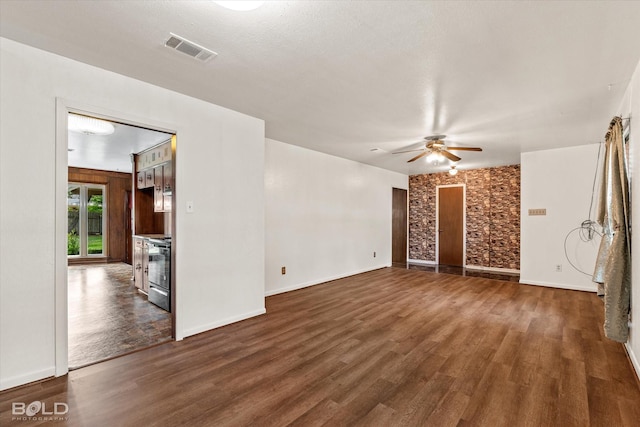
pixel 189 48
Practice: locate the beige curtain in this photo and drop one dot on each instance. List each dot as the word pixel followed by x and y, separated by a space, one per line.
pixel 613 265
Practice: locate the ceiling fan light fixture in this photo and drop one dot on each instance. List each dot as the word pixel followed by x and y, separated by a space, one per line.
pixel 89 125
pixel 433 157
pixel 240 5
pixel 453 171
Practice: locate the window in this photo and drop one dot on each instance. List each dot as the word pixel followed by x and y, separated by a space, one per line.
pixel 86 211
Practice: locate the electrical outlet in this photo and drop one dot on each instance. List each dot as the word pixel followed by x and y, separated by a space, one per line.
pixel 558 268
pixel 284 270
pixel 374 254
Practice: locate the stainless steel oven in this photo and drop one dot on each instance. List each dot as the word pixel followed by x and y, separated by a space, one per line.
pixel 160 273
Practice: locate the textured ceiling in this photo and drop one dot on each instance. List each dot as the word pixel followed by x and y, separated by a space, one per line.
pixel 345 77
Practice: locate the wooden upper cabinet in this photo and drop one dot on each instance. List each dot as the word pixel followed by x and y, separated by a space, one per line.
pixel 145 179
pixel 154 171
pixel 167 192
pixel 149 178
pixel 158 188
pixel 141 180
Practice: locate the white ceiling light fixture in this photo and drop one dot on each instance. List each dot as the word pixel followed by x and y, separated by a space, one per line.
pixel 453 171
pixel 435 157
pixel 90 125
pixel 240 5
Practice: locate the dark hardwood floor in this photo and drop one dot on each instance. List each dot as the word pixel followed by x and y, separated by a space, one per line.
pixel 108 317
pixel 392 347
pixel 462 271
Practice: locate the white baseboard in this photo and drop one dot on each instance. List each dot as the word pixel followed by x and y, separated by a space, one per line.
pixel 492 269
pixel 557 285
pixel 421 262
pixel 320 281
pixel 209 326
pixel 18 380
pixel 633 358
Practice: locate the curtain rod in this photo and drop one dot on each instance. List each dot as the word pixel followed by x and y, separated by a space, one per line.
pixel 618 117
pixel 613 122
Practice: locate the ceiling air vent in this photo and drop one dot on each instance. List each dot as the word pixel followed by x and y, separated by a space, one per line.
pixel 189 48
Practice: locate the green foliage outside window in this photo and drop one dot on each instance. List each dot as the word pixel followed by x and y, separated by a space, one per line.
pixel 73 244
pixel 95 204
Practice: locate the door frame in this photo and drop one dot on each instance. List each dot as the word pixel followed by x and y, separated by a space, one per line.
pixel 105 222
pixel 61 312
pixel 464 221
pixel 406 249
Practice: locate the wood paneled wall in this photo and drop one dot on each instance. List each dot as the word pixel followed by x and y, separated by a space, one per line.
pixel 118 231
pixel 492 212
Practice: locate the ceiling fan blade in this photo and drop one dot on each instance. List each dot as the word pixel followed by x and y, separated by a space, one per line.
pixel 418 156
pixel 407 151
pixel 450 156
pixel 465 148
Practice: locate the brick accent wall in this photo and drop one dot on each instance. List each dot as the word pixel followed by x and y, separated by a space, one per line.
pixel 492 213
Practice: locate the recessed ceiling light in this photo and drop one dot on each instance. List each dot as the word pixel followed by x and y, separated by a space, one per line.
pixel 240 4
pixel 90 125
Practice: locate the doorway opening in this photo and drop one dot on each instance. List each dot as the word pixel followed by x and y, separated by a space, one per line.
pixel 399 228
pixel 451 225
pixel 108 313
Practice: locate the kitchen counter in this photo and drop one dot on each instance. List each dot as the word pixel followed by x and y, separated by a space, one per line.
pixel 152 236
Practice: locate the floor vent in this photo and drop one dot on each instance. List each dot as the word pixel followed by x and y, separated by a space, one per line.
pixel 189 48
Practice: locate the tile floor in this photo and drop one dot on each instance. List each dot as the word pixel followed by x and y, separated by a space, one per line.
pixel 108 317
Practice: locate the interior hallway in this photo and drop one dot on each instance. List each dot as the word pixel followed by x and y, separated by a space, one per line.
pixel 108 317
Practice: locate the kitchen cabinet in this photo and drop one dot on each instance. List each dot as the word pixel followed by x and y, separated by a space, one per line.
pixel 145 179
pixel 158 198
pixel 141 263
pixel 162 188
pixel 154 157
pixel 161 180
pixel 149 178
pixel 140 181
pixel 167 192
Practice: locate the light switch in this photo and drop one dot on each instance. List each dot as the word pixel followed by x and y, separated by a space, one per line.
pixel 190 206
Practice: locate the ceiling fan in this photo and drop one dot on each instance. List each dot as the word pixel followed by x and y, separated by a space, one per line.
pixel 435 146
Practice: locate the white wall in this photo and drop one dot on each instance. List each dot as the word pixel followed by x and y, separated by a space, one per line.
pixel 630 107
pixel 220 167
pixel 559 181
pixel 325 216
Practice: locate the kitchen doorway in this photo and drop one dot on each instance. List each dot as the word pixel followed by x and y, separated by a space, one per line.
pixel 450 226
pixel 107 315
